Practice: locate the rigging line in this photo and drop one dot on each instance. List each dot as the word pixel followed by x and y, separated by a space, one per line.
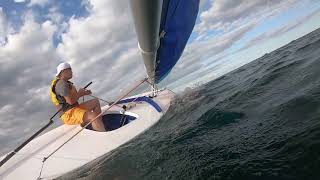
pixel 154 88
pixel 171 91
pixel 99 98
pixel 125 109
pixel 150 82
pixel 123 116
pixel 68 158
pixel 135 87
pixel 165 88
pixel 160 90
pixel 109 103
pixel 39 177
pixel 104 100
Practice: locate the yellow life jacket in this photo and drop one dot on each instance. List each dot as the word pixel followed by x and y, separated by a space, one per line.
pixel 59 100
pixel 52 93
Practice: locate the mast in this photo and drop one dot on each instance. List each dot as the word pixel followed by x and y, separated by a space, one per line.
pixel 147 17
pixel 163 28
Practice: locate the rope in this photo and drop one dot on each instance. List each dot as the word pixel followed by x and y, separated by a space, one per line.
pixel 165 88
pixel 104 100
pixel 122 120
pixel 172 91
pixel 39 177
pixel 135 87
pixel 123 115
pixel 99 99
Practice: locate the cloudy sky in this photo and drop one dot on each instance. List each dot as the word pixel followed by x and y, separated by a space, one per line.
pixel 98 39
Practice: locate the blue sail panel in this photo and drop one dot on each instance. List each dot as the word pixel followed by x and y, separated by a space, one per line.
pixel 177 21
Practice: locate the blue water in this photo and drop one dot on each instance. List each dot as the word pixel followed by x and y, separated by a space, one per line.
pixel 261 121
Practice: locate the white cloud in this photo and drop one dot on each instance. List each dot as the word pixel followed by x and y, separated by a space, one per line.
pixel 226 15
pixel 26 62
pixel 7 108
pixel 279 31
pixel 54 15
pixel 195 53
pixel 19 1
pixel 86 4
pixel 234 19
pixel 3 27
pixel 40 3
pixel 103 47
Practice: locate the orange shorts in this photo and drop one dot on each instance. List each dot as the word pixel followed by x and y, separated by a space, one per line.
pixel 74 115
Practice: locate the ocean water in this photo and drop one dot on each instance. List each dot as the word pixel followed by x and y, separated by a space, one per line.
pixel 260 121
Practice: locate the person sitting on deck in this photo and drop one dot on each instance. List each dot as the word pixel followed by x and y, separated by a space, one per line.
pixel 65 95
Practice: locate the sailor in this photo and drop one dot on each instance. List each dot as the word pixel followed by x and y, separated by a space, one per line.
pixel 64 95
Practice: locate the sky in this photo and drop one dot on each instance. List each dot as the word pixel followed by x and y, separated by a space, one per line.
pixel 98 39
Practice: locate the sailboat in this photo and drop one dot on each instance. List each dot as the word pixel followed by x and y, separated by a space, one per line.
pixel 163 28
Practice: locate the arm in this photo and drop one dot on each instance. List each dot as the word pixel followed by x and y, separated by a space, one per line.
pixel 73 97
pixel 70 93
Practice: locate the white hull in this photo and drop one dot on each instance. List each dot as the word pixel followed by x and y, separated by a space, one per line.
pixel 83 148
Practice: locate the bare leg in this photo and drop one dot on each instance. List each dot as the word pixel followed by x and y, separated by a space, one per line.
pixel 97 124
pixel 92 105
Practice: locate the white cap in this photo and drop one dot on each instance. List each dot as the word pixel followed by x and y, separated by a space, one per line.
pixel 62 66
